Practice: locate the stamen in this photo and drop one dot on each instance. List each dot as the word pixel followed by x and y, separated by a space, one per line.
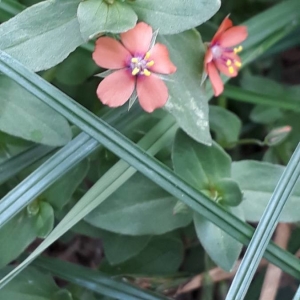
pixel 150 63
pixel 135 71
pixel 238 64
pixel 146 72
pixel 231 70
pixel 134 60
pixel 228 62
pixel 147 55
pixel 238 49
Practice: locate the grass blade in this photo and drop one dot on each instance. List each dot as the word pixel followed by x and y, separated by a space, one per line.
pixel 265 229
pixel 240 94
pixel 95 281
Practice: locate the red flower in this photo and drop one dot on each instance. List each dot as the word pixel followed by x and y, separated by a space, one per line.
pixel 221 55
pixel 137 66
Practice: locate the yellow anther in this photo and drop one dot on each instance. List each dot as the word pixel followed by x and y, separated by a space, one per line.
pixel 134 60
pixel 147 72
pixel 228 62
pixel 238 49
pixel 147 55
pixel 238 64
pixel 150 63
pixel 231 70
pixel 135 71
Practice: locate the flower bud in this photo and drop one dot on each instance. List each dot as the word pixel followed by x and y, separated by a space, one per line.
pixel 277 135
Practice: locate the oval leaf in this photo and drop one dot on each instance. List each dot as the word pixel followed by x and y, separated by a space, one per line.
pixel 221 247
pixel 15 236
pixel 258 181
pixel 198 164
pixel 96 17
pixel 139 207
pixel 163 255
pixel 31 284
pixel 187 100
pixel 177 15
pixel 229 192
pixel 43 35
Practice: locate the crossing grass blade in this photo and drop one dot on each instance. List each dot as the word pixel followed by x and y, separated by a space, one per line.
pixel 95 281
pixel 265 229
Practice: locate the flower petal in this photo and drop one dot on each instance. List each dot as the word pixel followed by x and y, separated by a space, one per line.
pixel 233 36
pixel 162 62
pixel 227 23
pixel 115 89
pixel 137 40
pixel 152 92
pixel 207 58
pixel 215 79
pixel 225 69
pixel 110 54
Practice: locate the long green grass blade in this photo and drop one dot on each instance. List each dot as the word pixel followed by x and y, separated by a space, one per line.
pixel 265 229
pixel 95 281
pixel 240 94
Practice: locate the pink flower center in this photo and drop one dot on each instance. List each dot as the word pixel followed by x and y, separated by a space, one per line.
pixel 139 65
pixel 226 56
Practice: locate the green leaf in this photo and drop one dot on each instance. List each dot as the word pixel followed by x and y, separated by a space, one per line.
pixel 175 16
pixel 62 190
pixel 198 164
pixel 225 124
pixel 96 17
pixel 119 248
pixel 15 237
pixel 257 181
pixel 139 207
pixel 162 256
pixel 188 101
pixel 44 220
pixel 229 192
pixel 30 285
pixel 33 120
pixel 39 37
pixel 221 247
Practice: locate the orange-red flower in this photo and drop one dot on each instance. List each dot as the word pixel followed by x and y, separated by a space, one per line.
pixel 221 56
pixel 137 64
